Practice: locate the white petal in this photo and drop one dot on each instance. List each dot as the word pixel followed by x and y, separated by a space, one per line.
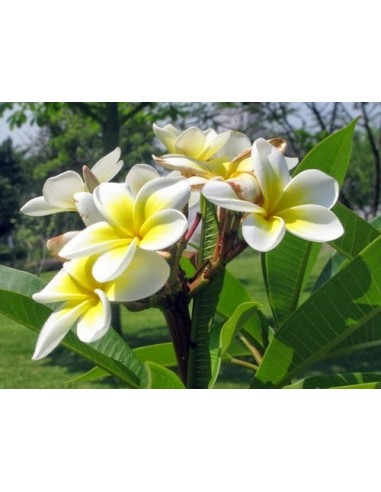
pixel 145 275
pixel 162 229
pixel 108 167
pixel 60 190
pixel 186 165
pixel 237 143
pixel 113 263
pixel 61 288
pixel 222 194
pixel 56 327
pixel 167 135
pixel 271 170
pixel 115 202
pixel 191 142
pixel 96 321
pixel 263 234
pixel 138 176
pixel 38 207
pixel 86 208
pixel 309 187
pixel 94 239
pixel 313 222
pixel 160 194
pixel 214 144
pixel 291 162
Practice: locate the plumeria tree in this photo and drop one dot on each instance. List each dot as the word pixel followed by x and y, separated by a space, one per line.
pixel 163 240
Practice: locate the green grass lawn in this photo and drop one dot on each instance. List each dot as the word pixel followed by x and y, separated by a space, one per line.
pixel 17 370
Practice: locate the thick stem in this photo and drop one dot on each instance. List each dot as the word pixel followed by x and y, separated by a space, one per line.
pixel 176 314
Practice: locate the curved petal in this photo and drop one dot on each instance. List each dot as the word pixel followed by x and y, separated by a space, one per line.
pixel 309 187
pixel 237 143
pixel 80 270
pixel 56 243
pixel 214 143
pixel 96 321
pixel 113 263
pixel 291 162
pixel 145 275
pixel 108 167
pixel 186 165
pixel 263 234
pixel 271 170
pixel 38 207
pixel 115 202
pixel 138 176
pixel 191 142
pixel 222 194
pixel 94 239
pixel 61 288
pixel 167 135
pixel 162 229
pixel 160 194
pixel 59 190
pixel 312 222
pixel 56 327
pixel 89 213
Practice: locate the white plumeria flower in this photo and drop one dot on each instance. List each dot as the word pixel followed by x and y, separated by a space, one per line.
pixel 300 205
pixel 69 192
pixel 86 302
pixel 143 213
pixel 192 142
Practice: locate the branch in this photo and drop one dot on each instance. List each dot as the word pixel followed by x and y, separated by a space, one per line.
pixel 87 110
pixel 134 111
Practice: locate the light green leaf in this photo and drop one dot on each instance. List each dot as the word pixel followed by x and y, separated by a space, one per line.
pixel 336 380
pixel 232 295
pixel 94 374
pixel 339 308
pixel 111 352
pixel 332 154
pixel 161 353
pixel 159 377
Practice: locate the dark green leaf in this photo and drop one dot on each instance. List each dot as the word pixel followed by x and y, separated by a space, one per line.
pixel 161 353
pixel 336 380
pixel 159 377
pixel 339 308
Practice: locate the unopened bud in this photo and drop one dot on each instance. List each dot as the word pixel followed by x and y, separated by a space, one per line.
pixel 247 188
pixel 90 179
pixel 56 243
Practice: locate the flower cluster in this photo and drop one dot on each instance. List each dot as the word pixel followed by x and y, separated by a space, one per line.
pixel 132 227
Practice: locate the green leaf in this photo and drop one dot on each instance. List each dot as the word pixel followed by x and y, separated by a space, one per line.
pixel 111 352
pixel 94 374
pixel 339 308
pixel 159 377
pixel 232 295
pixel 161 353
pixel 246 319
pixel 358 234
pixel 332 154
pixel 285 271
pixel 336 381
pixel 203 313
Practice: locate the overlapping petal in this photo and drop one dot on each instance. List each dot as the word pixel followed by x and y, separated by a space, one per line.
pixel 162 229
pixel 261 233
pixel 115 202
pixel 38 207
pixel 59 190
pixel 85 204
pixel 312 222
pixel 114 261
pixel 108 166
pixel 146 274
pixel 62 287
pixel 222 194
pixel 96 320
pixel 94 239
pixel 57 326
pixel 186 165
pixel 138 176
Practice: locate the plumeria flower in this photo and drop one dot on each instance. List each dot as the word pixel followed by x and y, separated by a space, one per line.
pixel 86 302
pixel 192 142
pixel 69 192
pixel 300 205
pixel 143 213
